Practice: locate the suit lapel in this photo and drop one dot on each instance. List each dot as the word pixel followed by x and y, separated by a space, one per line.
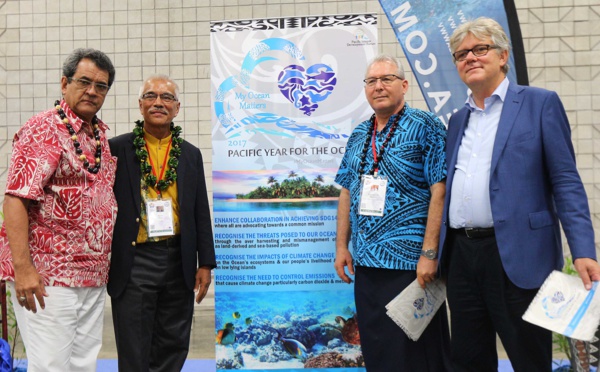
pixel 455 138
pixel 181 174
pixel 510 110
pixel 135 173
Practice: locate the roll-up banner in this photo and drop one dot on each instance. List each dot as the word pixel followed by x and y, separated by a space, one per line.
pixel 286 94
pixel 424 27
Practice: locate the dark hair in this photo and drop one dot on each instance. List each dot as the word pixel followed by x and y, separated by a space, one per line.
pixel 100 59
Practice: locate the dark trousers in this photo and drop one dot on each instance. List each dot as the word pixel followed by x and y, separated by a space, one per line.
pixel 153 316
pixel 483 301
pixel 385 346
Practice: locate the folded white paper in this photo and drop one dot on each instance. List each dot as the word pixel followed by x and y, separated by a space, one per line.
pixel 414 307
pixel 564 306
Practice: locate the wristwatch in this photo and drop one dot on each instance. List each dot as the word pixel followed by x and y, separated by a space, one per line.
pixel 429 253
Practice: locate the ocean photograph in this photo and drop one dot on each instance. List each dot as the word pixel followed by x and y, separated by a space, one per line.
pixel 287 330
pixel 274 190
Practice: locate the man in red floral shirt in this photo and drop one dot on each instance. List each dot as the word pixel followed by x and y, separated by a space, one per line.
pixel 59 211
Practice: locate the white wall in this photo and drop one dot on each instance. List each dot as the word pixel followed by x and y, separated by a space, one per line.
pixel 561 37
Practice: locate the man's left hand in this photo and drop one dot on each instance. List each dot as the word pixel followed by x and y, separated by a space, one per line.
pixel 426 271
pixel 203 280
pixel 588 270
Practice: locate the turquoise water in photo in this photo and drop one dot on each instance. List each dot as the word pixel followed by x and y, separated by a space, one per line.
pixel 256 316
pixel 221 205
pixel 323 305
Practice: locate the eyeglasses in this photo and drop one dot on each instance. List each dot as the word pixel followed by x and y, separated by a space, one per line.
pixel 479 50
pixel 165 97
pixel 385 80
pixel 100 88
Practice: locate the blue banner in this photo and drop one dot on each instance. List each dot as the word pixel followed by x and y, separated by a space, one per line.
pixel 285 98
pixel 424 27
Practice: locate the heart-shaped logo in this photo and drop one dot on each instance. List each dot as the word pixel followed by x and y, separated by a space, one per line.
pixel 305 87
pixel 418 303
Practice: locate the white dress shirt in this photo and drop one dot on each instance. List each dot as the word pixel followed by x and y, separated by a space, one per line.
pixel 470 197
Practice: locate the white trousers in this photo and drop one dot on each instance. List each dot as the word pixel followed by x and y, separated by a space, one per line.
pixel 67 335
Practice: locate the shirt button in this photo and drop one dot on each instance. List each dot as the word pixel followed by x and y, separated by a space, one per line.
pixel 133 244
pixel 137 220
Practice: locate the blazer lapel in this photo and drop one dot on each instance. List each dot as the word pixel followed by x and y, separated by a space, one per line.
pixel 135 173
pixel 181 174
pixel 510 110
pixel 454 139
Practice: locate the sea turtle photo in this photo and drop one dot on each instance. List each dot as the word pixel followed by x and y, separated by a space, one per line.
pixel 349 329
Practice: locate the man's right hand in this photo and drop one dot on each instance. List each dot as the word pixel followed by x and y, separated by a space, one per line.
pixel 29 285
pixel 343 258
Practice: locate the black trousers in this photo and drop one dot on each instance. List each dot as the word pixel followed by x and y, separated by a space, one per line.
pixel 483 301
pixel 153 316
pixel 385 346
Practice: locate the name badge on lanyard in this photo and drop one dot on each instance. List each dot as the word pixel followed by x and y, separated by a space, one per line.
pixel 372 195
pixel 160 217
pixel 373 188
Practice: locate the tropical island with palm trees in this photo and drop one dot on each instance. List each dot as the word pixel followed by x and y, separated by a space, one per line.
pixel 293 188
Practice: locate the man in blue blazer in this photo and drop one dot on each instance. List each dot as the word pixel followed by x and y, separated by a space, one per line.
pixel 511 179
pixel 162 249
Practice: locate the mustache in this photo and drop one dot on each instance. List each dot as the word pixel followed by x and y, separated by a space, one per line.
pixel 162 111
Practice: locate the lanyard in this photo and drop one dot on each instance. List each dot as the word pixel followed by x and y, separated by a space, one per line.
pixel 164 166
pixel 376 158
pixel 374 147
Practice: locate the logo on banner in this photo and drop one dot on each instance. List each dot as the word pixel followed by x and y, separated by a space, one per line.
pixel 305 87
pixel 252 111
pixel 360 39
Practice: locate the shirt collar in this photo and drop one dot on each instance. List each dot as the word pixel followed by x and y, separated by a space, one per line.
pixel 499 93
pixel 75 121
pixel 153 141
pixel 393 117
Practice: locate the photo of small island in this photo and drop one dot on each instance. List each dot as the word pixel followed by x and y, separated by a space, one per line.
pixel 275 189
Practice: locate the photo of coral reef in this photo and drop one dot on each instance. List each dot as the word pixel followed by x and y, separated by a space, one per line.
pixel 287 330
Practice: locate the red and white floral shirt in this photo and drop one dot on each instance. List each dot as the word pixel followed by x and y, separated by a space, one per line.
pixel 72 212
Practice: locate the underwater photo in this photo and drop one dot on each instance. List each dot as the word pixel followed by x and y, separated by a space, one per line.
pixel 280 330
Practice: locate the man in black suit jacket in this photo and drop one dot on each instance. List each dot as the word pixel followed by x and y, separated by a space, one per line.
pixel 162 249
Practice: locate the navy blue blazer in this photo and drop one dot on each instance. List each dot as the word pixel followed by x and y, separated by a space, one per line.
pixel 197 247
pixel 534 184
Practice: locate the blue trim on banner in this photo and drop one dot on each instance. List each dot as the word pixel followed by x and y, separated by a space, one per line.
pixel 423 28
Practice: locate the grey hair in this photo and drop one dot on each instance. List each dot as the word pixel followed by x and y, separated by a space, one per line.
pixel 389 59
pixel 482 28
pixel 100 59
pixel 159 77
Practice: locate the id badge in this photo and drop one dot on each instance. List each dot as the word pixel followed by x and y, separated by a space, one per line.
pixel 160 217
pixel 372 195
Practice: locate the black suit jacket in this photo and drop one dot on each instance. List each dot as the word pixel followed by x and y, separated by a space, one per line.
pixel 197 247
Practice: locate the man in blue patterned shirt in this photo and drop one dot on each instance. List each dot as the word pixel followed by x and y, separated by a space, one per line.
pixel 393 186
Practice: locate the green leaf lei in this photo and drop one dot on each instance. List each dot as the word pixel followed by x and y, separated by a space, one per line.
pixel 140 151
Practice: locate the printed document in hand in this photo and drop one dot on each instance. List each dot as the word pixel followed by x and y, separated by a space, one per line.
pixel 414 307
pixel 564 306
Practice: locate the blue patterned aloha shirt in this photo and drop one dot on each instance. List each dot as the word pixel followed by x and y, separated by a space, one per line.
pixel 414 159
